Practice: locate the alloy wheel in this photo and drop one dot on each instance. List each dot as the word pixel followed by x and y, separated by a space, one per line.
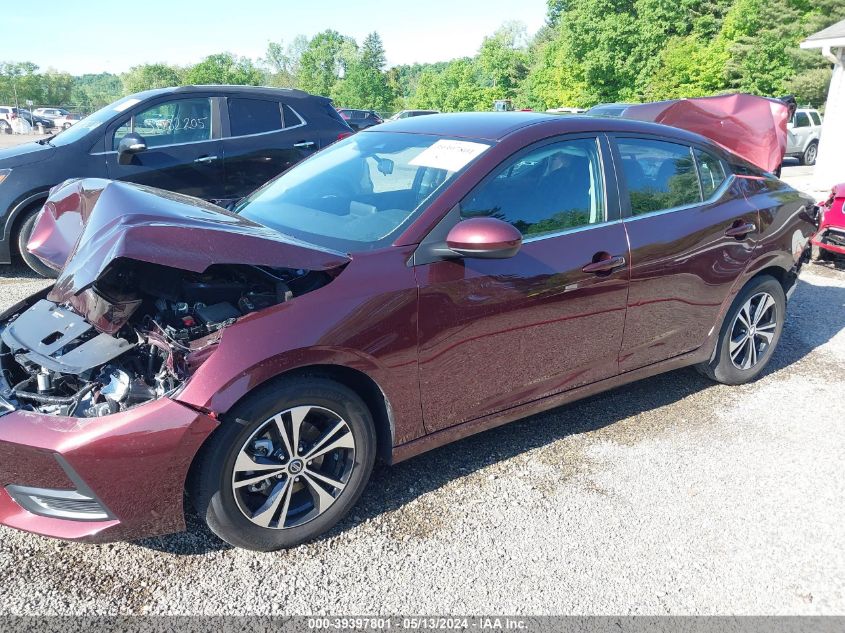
pixel 810 158
pixel 753 330
pixel 293 467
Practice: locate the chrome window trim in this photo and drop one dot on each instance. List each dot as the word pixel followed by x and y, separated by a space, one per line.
pixel 577 229
pixel 222 138
pixel 716 195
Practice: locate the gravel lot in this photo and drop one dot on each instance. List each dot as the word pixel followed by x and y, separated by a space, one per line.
pixel 669 496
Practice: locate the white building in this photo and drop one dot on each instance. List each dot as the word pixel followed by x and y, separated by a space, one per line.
pixel 830 165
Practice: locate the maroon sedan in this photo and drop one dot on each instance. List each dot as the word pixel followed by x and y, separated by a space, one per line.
pixel 414 284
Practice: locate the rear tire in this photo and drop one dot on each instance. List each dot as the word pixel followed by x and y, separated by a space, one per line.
pixel 290 498
pixel 5 128
pixel 28 258
pixel 750 333
pixel 810 154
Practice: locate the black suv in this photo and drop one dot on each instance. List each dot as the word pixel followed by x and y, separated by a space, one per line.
pixel 360 119
pixel 214 142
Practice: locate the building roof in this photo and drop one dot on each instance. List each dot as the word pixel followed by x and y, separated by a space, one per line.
pixel 834 35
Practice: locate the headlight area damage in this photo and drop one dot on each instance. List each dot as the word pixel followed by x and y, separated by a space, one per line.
pixel 149 283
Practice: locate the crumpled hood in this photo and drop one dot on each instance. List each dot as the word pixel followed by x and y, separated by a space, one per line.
pixel 25 154
pixel 87 224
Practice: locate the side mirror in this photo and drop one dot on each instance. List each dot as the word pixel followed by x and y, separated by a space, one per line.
pixel 130 145
pixel 487 238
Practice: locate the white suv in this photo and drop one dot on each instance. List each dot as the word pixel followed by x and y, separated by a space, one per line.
pixel 802 135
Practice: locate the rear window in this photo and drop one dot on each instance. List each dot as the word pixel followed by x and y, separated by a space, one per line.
pixel 291 118
pixel 254 116
pixel 659 175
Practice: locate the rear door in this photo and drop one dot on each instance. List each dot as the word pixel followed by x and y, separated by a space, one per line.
pixel 184 149
pixel 264 137
pixel 495 333
pixel 691 234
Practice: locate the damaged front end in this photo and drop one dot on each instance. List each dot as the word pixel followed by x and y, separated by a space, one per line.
pixel 147 288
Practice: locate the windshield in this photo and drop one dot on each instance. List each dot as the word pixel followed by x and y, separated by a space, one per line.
pixel 358 193
pixel 93 121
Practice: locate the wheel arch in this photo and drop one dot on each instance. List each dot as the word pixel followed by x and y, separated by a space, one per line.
pixel 18 213
pixel 358 381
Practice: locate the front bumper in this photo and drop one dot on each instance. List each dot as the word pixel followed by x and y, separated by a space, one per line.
pixel 117 477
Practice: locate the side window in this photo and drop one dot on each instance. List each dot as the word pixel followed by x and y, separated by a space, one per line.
pixel 291 118
pixel 802 120
pixel 254 116
pixel 170 122
pixel 711 172
pixel 817 120
pixel 549 189
pixel 659 175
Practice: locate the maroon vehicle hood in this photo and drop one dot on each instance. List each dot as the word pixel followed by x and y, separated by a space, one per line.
pixel 751 127
pixel 87 224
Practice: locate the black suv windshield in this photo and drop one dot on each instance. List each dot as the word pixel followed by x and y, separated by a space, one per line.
pixel 359 192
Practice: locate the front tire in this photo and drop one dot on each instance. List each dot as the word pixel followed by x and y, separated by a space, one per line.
pixel 28 258
pixel 288 463
pixel 750 333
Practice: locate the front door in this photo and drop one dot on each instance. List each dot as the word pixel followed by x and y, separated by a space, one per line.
pixel 692 233
pixel 498 333
pixel 184 153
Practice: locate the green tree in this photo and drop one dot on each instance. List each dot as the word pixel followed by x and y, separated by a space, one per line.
pixel 149 76
pixel 93 91
pixel 284 62
pixel 503 61
pixel 226 69
pixel 324 61
pixel 365 85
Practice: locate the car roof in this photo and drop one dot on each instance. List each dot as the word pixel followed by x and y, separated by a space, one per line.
pixel 263 91
pixel 494 126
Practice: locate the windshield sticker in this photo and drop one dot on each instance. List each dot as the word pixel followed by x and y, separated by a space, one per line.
pixel 120 107
pixel 449 155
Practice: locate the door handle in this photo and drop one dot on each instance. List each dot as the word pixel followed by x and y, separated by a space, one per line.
pixel 604 265
pixel 740 229
pixel 206 160
pixel 304 144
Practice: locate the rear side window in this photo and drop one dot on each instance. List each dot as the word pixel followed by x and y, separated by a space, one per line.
pixel 711 172
pixel 802 120
pixel 659 175
pixel 546 190
pixel 254 116
pixel 290 118
pixel 817 120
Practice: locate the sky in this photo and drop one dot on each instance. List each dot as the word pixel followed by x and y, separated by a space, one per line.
pixel 99 36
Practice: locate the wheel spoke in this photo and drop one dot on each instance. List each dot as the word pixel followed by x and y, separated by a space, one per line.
pixel 280 427
pixel 736 345
pixel 257 479
pixel 334 483
pixel 322 499
pixel 297 415
pixel 765 335
pixel 245 463
pixel 344 441
pixel 743 316
pixel 264 515
pixel 765 303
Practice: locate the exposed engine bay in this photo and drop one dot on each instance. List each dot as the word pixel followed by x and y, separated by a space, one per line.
pixel 135 335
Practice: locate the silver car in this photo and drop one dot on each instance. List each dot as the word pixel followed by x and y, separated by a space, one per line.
pixel 802 136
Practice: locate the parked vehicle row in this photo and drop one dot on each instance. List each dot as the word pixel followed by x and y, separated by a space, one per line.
pixel 215 143
pixel 9 115
pixel 408 286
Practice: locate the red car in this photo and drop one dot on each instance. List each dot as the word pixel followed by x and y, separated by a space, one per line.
pixel 409 286
pixel 830 238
